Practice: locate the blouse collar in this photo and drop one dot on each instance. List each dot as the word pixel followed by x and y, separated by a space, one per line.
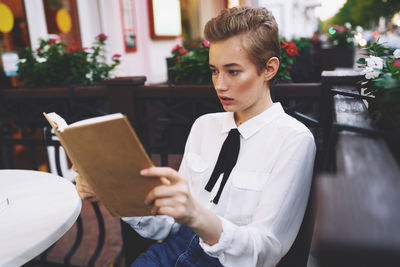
pixel 251 126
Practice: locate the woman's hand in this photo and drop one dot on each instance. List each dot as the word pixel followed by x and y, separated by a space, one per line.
pixel 173 197
pixel 85 192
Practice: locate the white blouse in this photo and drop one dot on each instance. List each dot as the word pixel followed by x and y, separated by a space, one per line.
pixel 263 202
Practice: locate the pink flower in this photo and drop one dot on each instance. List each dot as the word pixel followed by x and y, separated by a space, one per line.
pixel 101 37
pixel 340 29
pixel 176 48
pixel 184 51
pixel 116 56
pixel 206 43
pixel 397 63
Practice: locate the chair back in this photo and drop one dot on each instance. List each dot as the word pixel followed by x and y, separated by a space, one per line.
pixel 300 249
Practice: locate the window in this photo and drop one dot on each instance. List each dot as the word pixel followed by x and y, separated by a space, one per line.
pixel 165 18
pixel 62 19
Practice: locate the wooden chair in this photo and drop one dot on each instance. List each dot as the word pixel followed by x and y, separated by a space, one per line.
pixel 299 252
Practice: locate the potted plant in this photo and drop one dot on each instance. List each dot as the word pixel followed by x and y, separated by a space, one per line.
pixel 55 64
pixel 381 69
pixel 341 52
pixel 288 58
pixel 307 66
pixel 189 63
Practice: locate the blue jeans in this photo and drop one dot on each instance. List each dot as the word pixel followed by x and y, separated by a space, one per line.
pixel 180 249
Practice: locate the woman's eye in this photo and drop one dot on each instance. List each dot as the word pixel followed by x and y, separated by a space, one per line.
pixel 233 72
pixel 213 71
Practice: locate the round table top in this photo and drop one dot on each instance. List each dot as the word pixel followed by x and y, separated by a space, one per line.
pixel 36 209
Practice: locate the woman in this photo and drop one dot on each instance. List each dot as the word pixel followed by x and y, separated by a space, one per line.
pixel 247 213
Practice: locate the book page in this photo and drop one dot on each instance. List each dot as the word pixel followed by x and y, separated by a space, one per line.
pixel 57 119
pixel 97 119
pixel 62 124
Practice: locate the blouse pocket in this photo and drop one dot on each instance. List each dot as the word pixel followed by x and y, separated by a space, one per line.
pixel 244 195
pixel 198 167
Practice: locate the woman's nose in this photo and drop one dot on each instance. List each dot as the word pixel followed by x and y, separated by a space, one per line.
pixel 219 82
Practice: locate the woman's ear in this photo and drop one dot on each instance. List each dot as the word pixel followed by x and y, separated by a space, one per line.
pixel 271 68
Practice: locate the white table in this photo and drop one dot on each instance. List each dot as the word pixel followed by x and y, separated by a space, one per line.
pixel 42 208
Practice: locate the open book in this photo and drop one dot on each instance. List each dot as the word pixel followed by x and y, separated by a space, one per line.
pixel 109 156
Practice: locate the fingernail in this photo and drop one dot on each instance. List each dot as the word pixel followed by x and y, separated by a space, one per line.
pixel 144 172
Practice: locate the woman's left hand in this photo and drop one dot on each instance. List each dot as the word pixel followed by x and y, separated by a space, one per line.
pixel 173 197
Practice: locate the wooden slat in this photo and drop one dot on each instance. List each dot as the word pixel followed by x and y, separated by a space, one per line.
pixel 292 90
pixel 348 110
pixel 342 76
pixel 358 223
pixel 61 92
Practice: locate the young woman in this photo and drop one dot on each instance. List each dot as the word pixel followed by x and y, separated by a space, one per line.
pixel 248 213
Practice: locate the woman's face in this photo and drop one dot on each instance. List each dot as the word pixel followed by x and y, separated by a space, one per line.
pixel 240 88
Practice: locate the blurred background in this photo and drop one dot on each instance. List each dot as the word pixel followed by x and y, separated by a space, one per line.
pixel 56 54
pixel 144 32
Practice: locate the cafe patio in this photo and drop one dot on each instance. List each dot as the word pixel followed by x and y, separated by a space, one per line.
pixel 351 217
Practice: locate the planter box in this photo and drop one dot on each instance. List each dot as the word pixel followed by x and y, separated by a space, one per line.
pixel 337 57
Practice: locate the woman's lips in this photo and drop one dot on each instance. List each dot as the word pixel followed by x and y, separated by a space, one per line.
pixel 225 100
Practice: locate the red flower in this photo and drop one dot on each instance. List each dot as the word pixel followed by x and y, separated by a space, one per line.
pixel 73 48
pixel 53 40
pixel 101 37
pixel 284 44
pixel 288 67
pixel 291 49
pixel 397 63
pixel 116 56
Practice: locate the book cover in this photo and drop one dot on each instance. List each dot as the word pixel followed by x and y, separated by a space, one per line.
pixel 109 156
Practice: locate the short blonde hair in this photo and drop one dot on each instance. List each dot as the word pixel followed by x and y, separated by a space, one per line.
pixel 259 26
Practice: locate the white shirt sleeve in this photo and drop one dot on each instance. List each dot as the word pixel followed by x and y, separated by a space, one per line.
pixel 279 213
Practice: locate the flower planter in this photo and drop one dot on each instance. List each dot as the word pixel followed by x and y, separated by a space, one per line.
pixel 337 57
pixel 384 121
pixel 307 68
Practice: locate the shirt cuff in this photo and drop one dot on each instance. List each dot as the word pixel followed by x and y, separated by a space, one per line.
pixel 224 242
pixel 154 227
pixel 134 222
